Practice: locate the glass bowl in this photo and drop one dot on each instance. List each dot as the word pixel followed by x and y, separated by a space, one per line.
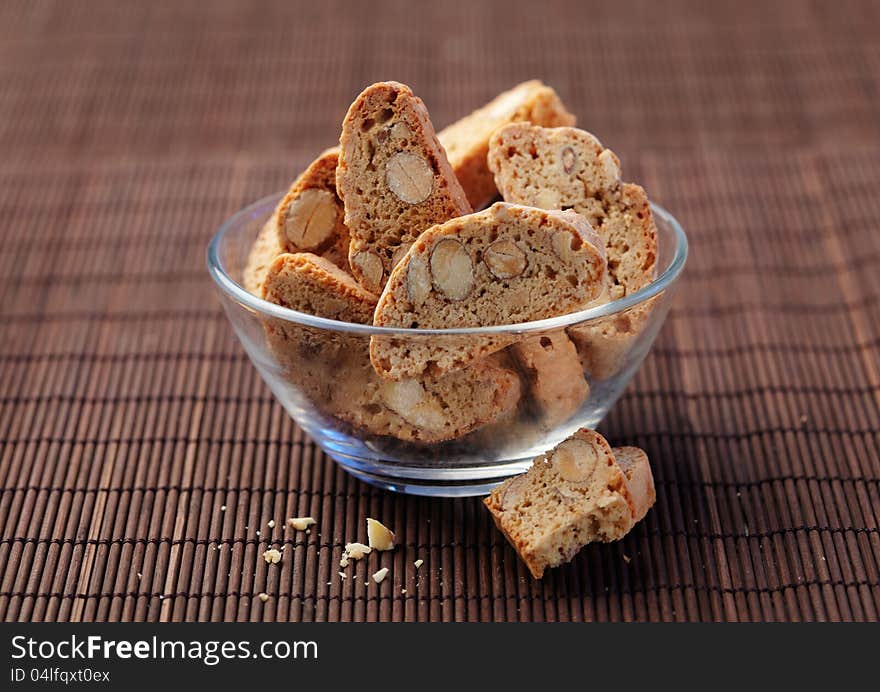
pixel 552 377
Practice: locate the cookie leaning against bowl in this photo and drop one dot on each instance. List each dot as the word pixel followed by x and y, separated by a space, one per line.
pixel 580 492
pixel 307 219
pixel 393 177
pixel 310 217
pixel 333 369
pixel 467 141
pixel 505 265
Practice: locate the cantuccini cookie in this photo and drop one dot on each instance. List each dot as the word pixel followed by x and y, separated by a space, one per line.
pixel 567 168
pixel 310 217
pixel 393 177
pixel 552 369
pixel 308 283
pixel 604 344
pixel 505 265
pixel 333 368
pixel 467 140
pixel 573 495
pixel 263 252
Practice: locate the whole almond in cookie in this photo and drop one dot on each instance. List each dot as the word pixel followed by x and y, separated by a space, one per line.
pixel 567 168
pixel 467 140
pixel 310 217
pixel 393 178
pixel 505 265
pixel 332 369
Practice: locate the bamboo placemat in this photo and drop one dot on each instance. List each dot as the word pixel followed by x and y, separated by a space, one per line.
pixel 129 415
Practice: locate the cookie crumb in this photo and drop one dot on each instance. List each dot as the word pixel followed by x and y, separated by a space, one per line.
pixel 257 532
pixel 271 524
pixel 272 556
pixel 140 576
pixel 222 508
pixel 379 536
pixel 342 574
pixel 403 591
pixel 418 563
pixel 301 523
pixel 627 559
pixel 354 551
pixel 264 597
pixel 379 576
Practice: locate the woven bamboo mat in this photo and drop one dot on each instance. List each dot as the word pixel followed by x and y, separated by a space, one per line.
pixel 129 415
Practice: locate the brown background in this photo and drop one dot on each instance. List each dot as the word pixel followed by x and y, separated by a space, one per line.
pixel 129 414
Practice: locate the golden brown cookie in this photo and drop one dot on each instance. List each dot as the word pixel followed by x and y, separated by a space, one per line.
pixel 333 369
pixel 505 265
pixel 310 217
pixel 467 140
pixel 263 252
pixel 575 494
pixel 567 168
pixel 552 370
pixel 393 178
pixel 604 344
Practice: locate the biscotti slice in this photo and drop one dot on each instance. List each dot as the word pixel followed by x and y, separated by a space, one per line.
pixel 310 217
pixel 313 284
pixel 575 494
pixel 438 409
pixel 605 344
pixel 635 466
pixel 393 178
pixel 567 168
pixel 467 140
pixel 333 370
pixel 505 265
pixel 551 366
pixel 263 252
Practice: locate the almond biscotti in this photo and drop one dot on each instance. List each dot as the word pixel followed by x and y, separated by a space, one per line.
pixel 467 140
pixel 310 217
pixel 604 344
pixel 334 370
pixel 552 369
pixel 263 252
pixel 567 168
pixel 578 493
pixel 312 284
pixel 505 265
pixel 394 179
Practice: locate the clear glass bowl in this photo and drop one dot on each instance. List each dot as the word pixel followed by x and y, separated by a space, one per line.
pixel 319 371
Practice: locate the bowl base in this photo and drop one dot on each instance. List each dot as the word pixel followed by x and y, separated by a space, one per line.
pixel 433 487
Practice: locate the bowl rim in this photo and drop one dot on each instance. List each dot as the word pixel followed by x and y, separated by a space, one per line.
pixel 267 204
